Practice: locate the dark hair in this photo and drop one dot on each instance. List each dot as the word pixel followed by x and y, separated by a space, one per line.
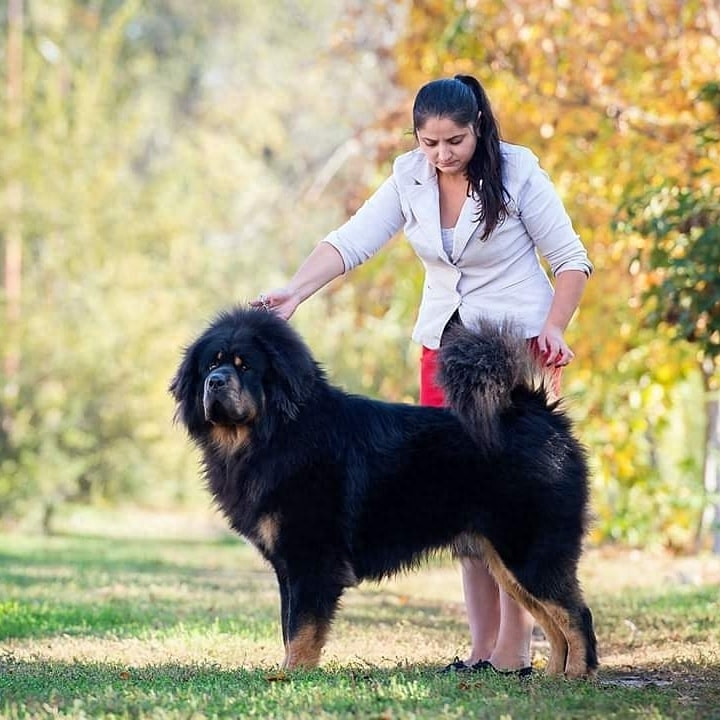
pixel 461 98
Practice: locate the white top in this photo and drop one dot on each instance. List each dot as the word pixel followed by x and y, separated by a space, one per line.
pixel 448 235
pixel 500 278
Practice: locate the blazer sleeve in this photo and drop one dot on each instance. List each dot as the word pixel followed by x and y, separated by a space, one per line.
pixel 378 220
pixel 548 224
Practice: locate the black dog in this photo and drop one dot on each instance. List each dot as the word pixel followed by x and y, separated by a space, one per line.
pixel 335 488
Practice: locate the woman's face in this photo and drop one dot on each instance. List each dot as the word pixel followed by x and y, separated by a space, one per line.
pixel 447 145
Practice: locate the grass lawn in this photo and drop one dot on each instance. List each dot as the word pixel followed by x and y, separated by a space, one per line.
pixel 107 627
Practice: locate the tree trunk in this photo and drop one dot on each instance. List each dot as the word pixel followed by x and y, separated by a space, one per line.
pixel 12 271
pixel 710 521
pixel 712 467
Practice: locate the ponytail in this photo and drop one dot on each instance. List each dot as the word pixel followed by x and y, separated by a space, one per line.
pixel 486 165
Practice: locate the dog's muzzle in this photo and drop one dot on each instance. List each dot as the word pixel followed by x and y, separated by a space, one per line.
pixel 220 396
pixel 217 380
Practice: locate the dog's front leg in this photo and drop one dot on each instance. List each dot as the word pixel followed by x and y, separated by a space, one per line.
pixel 311 605
pixel 284 587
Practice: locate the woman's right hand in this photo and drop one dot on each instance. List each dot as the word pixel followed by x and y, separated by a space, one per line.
pixel 281 301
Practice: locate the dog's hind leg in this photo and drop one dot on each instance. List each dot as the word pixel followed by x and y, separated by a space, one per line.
pixel 565 608
pixel 565 618
pixel 507 581
pixel 575 620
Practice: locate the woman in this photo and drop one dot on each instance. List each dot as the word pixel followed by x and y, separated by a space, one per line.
pixel 478 212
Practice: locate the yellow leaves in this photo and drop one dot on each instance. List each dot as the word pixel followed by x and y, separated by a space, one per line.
pixel 666 374
pixel 625 464
pixel 608 98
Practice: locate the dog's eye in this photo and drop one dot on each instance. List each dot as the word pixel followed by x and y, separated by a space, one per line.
pixel 216 361
pixel 240 363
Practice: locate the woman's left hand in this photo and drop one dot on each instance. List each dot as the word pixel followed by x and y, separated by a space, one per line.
pixel 553 348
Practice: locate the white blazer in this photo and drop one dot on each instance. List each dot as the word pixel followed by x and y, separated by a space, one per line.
pixel 500 278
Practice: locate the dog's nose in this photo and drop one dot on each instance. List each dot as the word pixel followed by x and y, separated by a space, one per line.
pixel 216 381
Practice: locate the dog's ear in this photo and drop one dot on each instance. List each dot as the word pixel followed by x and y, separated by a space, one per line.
pixel 185 388
pixel 292 374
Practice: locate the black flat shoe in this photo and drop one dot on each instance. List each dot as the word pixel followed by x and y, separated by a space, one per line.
pixel 484 665
pixel 457 665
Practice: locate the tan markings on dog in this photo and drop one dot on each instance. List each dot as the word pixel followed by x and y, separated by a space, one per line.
pixel 555 636
pixel 230 438
pixel 547 614
pixel 558 645
pixel 305 646
pixel 268 529
pixel 576 666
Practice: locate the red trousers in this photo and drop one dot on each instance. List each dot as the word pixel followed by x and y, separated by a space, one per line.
pixel 432 394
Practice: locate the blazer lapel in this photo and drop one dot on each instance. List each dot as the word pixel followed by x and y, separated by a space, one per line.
pixel 467 224
pixel 424 200
pixel 424 203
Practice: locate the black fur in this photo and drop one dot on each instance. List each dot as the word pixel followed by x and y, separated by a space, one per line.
pixel 335 488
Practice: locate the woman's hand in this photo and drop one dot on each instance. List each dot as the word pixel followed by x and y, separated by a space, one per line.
pixel 553 348
pixel 281 301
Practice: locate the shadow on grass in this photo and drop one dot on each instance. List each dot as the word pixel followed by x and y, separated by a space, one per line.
pixel 88 553
pixel 129 618
pixel 95 689
pixel 84 586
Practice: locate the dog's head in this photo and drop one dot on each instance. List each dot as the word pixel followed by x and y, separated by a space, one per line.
pixel 248 371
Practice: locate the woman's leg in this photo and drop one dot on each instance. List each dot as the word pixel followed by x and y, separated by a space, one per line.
pixel 500 629
pixel 512 649
pixel 482 604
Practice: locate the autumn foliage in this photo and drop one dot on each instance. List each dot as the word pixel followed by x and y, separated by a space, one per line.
pixel 620 103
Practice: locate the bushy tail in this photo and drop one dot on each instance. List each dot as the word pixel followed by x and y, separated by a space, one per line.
pixel 479 369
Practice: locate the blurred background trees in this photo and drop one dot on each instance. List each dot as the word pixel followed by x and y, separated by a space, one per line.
pixel 164 159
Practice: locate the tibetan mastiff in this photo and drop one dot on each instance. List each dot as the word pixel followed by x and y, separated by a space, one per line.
pixel 334 488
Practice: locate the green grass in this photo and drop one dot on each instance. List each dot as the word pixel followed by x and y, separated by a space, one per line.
pixel 95 627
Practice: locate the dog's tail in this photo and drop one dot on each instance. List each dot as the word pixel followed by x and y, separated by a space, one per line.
pixel 479 370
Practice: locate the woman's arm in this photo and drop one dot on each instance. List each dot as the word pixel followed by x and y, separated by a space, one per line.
pixel 377 220
pixel 548 223
pixel 569 287
pixel 320 267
